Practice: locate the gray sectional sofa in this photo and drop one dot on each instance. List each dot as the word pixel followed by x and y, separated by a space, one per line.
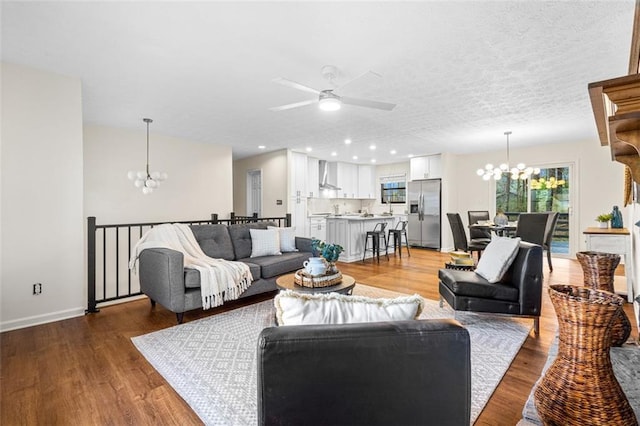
pixel 165 280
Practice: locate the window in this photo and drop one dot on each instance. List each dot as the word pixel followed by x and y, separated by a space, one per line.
pixel 393 192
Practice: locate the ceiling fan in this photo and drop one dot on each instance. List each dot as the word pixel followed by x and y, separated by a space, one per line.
pixel 327 99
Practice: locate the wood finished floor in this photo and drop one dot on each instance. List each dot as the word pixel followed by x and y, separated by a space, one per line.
pixel 86 370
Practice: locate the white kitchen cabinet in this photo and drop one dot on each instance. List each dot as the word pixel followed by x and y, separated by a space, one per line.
pixel 347 177
pixel 298 209
pixel 318 228
pixel 366 182
pixel 426 167
pixel 313 182
pixel 298 175
pixel 349 232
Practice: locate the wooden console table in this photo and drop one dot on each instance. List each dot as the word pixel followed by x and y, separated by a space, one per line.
pixel 613 240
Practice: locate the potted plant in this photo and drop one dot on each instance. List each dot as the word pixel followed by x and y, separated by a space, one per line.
pixel 603 219
pixel 330 253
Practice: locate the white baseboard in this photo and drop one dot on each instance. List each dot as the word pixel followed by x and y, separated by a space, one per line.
pixel 41 319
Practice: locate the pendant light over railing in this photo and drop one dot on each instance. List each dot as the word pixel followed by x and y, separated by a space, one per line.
pixel 147 180
pixel 520 171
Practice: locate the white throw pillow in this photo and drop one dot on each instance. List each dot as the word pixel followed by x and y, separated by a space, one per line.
pixel 497 257
pixel 287 238
pixel 294 308
pixel 265 242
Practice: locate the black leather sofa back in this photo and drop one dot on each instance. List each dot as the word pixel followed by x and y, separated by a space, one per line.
pixel 386 373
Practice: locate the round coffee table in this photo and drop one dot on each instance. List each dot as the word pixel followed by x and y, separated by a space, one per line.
pixel 286 282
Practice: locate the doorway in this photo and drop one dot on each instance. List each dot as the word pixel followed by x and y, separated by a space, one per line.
pixel 550 190
pixel 254 192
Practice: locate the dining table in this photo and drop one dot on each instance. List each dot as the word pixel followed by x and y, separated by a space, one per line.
pixel 500 230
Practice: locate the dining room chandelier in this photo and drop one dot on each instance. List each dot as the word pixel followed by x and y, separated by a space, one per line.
pixel 147 180
pixel 519 171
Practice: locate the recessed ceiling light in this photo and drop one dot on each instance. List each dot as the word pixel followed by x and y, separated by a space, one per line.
pixel 410 155
pixel 261 147
pixel 355 157
pixel 373 160
pixel 309 149
pixel 333 154
pixel 347 141
pixel 372 147
pixel 392 152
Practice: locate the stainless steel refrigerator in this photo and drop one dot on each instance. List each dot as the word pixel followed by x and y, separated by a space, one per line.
pixel 424 213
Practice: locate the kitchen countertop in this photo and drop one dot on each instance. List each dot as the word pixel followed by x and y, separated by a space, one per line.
pixel 358 217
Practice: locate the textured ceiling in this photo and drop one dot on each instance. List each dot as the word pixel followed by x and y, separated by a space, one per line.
pixel 461 73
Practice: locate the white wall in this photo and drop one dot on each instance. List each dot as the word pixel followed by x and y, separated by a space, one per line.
pixel 199 183
pixel 41 193
pixel 275 177
pixel 54 174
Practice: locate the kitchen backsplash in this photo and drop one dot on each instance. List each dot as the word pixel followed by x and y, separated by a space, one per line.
pixel 323 205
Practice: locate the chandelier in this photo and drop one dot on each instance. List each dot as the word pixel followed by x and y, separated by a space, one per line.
pixel 147 180
pixel 520 171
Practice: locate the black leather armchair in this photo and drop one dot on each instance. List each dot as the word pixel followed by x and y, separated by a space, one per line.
pixel 518 293
pixel 384 373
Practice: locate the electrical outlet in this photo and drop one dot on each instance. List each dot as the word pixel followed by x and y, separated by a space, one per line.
pixel 37 288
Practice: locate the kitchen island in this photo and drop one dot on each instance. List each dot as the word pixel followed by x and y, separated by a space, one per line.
pixel 349 231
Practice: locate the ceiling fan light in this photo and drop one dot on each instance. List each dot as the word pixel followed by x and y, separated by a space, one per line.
pixel 329 104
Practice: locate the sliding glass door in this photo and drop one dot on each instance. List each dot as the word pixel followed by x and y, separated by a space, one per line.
pixel 548 191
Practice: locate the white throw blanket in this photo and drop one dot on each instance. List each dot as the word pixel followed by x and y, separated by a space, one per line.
pixel 219 279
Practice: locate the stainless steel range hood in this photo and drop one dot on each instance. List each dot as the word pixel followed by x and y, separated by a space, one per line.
pixel 328 174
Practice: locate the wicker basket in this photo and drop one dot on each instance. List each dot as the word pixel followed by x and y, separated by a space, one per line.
pixel 304 279
pixel 579 388
pixel 599 269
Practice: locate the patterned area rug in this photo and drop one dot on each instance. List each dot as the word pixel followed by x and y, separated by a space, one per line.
pixel 211 362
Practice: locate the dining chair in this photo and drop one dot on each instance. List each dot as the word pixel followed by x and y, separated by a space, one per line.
pixel 460 241
pixel 531 227
pixel 479 235
pixel 552 220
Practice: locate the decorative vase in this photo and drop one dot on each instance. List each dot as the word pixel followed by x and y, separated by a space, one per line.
pixel 579 387
pixel 501 219
pixel 332 268
pixel 598 270
pixel 616 218
pixel 315 266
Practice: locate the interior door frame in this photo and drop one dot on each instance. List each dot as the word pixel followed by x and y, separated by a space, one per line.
pixel 250 208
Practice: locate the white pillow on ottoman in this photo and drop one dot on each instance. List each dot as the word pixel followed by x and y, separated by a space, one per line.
pixel 294 308
pixel 497 257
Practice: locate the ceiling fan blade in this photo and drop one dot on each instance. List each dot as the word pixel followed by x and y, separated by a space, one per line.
pixel 367 103
pixel 339 88
pixel 291 106
pixel 295 85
